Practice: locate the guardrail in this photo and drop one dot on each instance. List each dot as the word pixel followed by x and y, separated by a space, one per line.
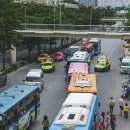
pixel 67 27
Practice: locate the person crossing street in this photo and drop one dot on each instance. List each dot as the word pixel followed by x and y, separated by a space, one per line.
pixel 111 104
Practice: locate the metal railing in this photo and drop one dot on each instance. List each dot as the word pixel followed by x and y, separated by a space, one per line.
pixel 68 27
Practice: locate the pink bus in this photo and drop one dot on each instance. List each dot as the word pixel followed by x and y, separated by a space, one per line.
pixel 76 67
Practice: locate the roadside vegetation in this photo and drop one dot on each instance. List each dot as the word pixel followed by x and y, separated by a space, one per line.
pixel 12 15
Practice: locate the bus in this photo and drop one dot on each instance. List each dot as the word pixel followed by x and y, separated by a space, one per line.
pixel 76 67
pixel 77 112
pixel 89 47
pixel 19 107
pixel 78 56
pixel 71 50
pixel 82 83
pixel 97 45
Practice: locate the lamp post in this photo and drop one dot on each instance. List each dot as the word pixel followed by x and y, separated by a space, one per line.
pixel 25 17
pixel 60 4
pixel 90 14
pixel 54 13
pixel 60 13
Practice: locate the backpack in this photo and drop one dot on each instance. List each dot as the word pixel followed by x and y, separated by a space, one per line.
pixel 111 103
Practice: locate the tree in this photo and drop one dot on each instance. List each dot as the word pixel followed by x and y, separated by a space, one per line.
pixel 9 22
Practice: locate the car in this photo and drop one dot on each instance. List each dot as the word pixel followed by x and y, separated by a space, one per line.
pixel 43 57
pixel 108 29
pixel 3 79
pixel 58 56
pixel 102 66
pixel 48 66
pixel 102 58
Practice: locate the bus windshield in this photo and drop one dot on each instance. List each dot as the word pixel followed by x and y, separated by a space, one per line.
pixel 95 44
pixel 32 79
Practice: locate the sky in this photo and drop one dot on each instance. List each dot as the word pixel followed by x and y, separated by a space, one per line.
pixel 113 3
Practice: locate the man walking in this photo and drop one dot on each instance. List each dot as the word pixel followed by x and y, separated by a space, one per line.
pixel 121 105
pixel 111 104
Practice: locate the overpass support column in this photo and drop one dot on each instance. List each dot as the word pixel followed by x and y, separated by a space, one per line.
pixel 13 54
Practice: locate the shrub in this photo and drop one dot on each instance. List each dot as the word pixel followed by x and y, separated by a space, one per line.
pixel 9 68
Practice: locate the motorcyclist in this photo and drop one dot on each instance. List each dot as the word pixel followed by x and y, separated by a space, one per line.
pixel 127 92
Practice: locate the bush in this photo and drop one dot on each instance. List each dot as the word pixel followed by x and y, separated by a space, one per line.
pixel 9 68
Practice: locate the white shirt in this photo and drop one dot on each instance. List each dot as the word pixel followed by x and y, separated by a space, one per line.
pixel 121 102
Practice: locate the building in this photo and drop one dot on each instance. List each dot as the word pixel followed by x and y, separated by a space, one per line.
pixel 93 3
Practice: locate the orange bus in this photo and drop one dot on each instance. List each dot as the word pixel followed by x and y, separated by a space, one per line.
pixel 82 83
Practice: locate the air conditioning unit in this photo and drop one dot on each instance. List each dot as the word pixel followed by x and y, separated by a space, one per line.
pixel 68 127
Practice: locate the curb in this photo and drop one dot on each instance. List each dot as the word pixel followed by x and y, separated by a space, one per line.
pixel 21 68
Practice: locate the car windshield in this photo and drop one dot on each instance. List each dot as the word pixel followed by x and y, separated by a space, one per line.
pixel 58 54
pixel 32 79
pixel 102 58
pixel 47 64
pixel 42 55
pixel 101 64
pixel 125 64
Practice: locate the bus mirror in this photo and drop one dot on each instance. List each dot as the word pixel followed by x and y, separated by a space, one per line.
pixel 23 80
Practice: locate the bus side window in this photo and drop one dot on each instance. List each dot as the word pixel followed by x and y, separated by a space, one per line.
pixel 33 102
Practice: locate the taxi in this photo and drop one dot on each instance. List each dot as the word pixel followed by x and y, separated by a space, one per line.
pixel 43 57
pixel 48 66
pixel 102 58
pixel 102 66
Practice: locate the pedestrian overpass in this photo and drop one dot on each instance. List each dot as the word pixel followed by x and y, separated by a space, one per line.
pixel 78 31
pixel 115 19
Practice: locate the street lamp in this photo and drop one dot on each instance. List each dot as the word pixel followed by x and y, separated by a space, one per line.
pixel 90 14
pixel 25 17
pixel 60 4
pixel 54 13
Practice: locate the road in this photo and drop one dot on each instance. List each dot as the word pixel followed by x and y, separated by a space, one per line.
pixel 53 95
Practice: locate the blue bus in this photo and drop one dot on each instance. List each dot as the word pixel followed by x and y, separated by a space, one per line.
pixel 19 107
pixel 77 112
pixel 97 45
pixel 78 56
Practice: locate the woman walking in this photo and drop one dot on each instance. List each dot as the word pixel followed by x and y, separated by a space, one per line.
pixel 126 111
pixel 107 120
pixel 45 123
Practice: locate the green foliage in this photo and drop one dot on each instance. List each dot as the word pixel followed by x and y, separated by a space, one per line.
pixel 9 68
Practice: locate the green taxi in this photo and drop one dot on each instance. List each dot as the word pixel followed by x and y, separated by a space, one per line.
pixel 102 66
pixel 48 66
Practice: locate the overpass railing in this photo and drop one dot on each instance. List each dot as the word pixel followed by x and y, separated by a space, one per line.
pixel 69 27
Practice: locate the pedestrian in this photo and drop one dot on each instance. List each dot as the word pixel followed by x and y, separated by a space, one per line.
pixel 126 111
pixel 111 104
pixel 120 59
pixel 45 123
pixel 107 120
pixel 121 105
pixel 20 127
pixel 113 122
pixel 101 121
pixel 125 83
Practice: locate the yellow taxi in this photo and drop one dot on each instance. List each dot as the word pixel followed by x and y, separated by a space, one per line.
pixel 102 58
pixel 48 66
pixel 43 57
pixel 102 66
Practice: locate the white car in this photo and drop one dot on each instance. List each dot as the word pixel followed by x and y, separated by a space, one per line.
pixel 108 29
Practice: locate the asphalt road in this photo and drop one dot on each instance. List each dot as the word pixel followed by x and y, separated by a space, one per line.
pixel 53 95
